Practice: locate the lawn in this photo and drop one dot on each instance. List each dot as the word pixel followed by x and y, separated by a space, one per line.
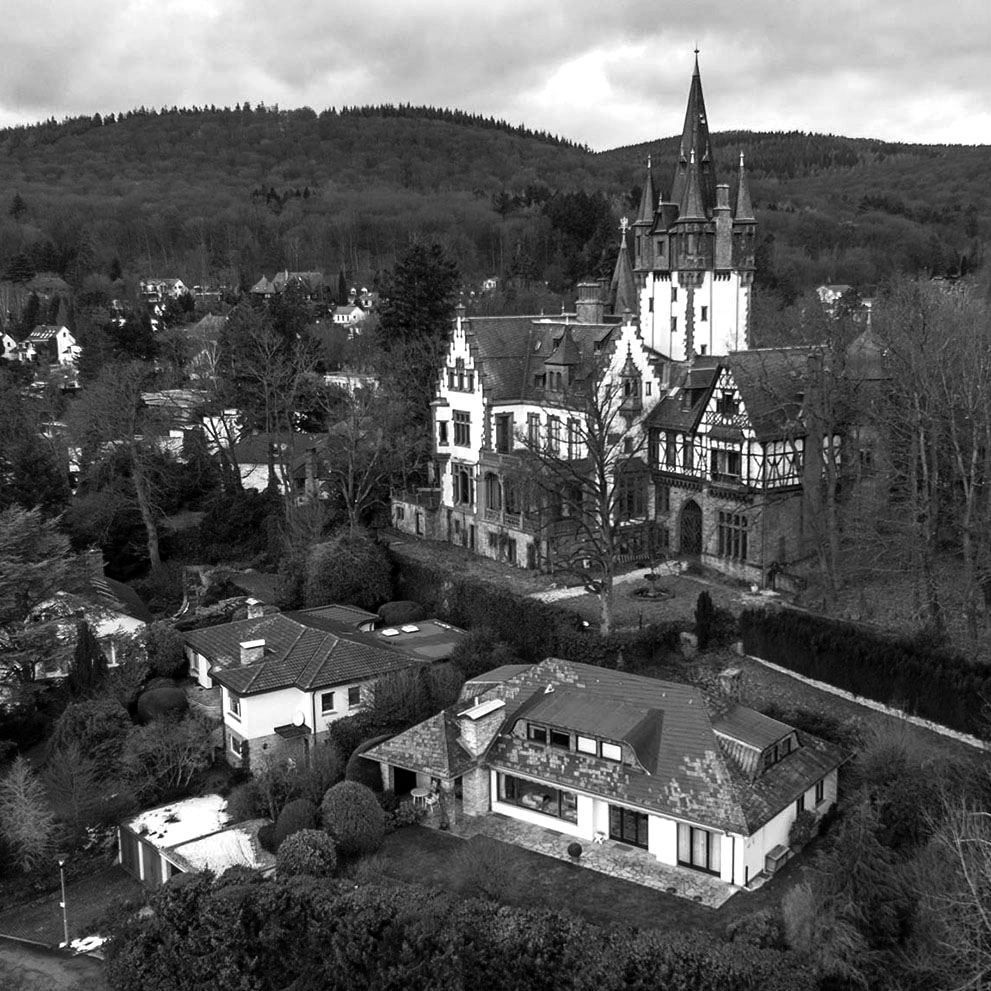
pixel 418 855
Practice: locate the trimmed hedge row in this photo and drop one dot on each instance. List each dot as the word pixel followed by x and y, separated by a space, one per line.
pixel 533 628
pixel 939 685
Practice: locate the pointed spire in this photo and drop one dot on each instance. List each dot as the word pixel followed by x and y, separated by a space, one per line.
pixel 692 205
pixel 648 198
pixel 623 289
pixel 695 141
pixel 744 207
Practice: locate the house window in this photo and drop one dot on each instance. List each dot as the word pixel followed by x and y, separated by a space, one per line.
pixel 631 495
pixel 464 487
pixel 628 826
pixel 560 739
pixel 688 454
pixel 493 492
pixel 538 734
pixel 733 536
pixel 728 406
pixel 627 445
pixel 705 314
pixel 726 466
pixel 574 440
pixel 553 435
pixel 462 429
pixel 587 745
pixel 820 791
pixel 504 433
pixel 662 499
pixel 234 705
pixel 326 703
pixel 442 440
pixel 612 751
pixel 538 797
pixel 800 805
pixel 670 449
pixel 647 388
pixel 354 697
pixel 237 746
pixel 699 848
pixel 533 430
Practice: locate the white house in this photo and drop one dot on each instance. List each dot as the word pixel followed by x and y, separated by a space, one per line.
pixel 286 676
pixel 700 783
pixel 51 344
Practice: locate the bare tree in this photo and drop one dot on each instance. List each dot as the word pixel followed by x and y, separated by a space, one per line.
pixel 585 480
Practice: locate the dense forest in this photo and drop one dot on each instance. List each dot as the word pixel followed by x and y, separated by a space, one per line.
pixel 223 195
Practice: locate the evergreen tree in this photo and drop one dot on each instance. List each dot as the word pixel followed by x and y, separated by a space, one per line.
pixel 89 664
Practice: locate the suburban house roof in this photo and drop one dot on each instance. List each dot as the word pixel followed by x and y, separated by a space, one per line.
pixel 679 748
pixel 295 655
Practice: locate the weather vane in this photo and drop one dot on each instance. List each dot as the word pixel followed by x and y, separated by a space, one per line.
pixel 624 224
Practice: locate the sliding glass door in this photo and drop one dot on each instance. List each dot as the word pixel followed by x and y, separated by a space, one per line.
pixel 627 826
pixel 699 848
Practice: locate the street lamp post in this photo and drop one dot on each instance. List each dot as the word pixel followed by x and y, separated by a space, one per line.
pixel 62 858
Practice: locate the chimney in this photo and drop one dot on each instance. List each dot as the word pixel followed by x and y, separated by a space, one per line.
pixel 255 609
pixel 590 306
pixel 252 651
pixel 480 724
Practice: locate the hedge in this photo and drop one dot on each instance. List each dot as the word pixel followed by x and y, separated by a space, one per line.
pixel 533 628
pixel 938 685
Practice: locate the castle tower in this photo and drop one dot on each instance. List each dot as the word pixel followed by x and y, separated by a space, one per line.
pixel 694 257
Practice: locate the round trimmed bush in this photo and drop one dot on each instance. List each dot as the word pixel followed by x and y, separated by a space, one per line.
pixel 350 812
pixel 310 852
pixel 162 703
pixel 298 814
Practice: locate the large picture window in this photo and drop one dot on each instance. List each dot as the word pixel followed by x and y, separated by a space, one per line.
pixel 538 797
pixel 699 848
pixel 628 826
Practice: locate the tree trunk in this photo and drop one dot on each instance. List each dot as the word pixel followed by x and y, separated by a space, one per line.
pixel 147 513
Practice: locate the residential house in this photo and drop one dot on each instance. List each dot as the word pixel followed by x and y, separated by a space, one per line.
pixel 159 290
pixel 113 610
pixel 50 344
pixel 285 677
pixel 311 284
pixel 349 316
pixel 9 346
pixel 700 782
pixel 186 837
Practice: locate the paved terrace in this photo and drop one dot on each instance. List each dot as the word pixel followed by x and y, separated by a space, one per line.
pixel 609 857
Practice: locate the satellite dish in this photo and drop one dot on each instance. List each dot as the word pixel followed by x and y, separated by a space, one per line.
pixel 299 718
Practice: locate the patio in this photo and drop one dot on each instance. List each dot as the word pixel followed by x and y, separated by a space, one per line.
pixel 614 859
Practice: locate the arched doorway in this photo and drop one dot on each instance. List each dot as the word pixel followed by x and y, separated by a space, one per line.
pixel 690 532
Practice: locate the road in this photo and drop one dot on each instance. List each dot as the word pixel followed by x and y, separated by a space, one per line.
pixel 26 968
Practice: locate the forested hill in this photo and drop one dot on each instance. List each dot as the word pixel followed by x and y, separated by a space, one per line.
pixel 220 193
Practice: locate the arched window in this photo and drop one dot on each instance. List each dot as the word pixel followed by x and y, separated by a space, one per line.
pixel 464 487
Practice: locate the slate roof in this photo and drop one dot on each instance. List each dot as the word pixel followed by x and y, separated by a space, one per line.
pixel 772 383
pixel 295 656
pixel 670 411
pixel 513 349
pixel 674 763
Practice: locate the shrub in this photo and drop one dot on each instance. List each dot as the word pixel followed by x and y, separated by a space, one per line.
pixel 298 814
pixel 401 611
pixel 164 646
pixel 8 751
pixel 704 615
pixel 388 800
pixel 245 802
pixel 352 815
pixel 162 704
pixel 365 772
pixel 405 814
pixel 306 851
pixel 98 726
pixel 350 568
pixel 266 837
pixel 802 829
pixel 574 850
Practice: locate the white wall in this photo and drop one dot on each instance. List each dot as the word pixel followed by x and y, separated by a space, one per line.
pixel 260 714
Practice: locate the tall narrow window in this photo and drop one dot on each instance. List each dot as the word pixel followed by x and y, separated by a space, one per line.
pixel 733 536
pixel 462 429
pixel 533 430
pixel 553 435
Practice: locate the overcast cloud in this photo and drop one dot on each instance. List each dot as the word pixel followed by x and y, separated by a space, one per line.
pixel 604 73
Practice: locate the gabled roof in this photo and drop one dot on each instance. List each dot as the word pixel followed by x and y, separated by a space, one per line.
pixel 296 655
pixel 44 332
pixel 671 411
pixel 772 383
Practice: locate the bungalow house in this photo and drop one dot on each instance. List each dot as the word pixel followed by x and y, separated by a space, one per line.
pixel 604 756
pixel 285 677
pixel 187 837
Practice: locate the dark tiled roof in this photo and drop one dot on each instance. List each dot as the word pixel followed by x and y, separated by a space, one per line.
pixel 684 769
pixel 295 656
pixel 772 383
pixel 671 411
pixel 749 726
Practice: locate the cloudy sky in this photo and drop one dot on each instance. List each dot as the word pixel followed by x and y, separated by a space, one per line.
pixel 604 72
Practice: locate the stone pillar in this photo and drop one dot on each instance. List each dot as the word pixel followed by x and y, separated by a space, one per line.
pixel 448 806
pixel 475 798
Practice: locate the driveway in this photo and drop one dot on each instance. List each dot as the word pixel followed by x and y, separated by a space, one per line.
pixel 27 968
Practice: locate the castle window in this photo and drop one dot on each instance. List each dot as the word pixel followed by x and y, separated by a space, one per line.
pixel 726 466
pixel 442 433
pixel 705 313
pixel 631 495
pixel 674 294
pixel 733 536
pixel 574 439
pixel 674 325
pixel 464 487
pixel 504 433
pixel 688 454
pixel 553 435
pixel 670 449
pixel 462 429
pixel 533 430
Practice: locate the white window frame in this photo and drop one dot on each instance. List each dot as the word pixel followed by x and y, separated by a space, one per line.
pixel 324 711
pixel 236 745
pixel 234 705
